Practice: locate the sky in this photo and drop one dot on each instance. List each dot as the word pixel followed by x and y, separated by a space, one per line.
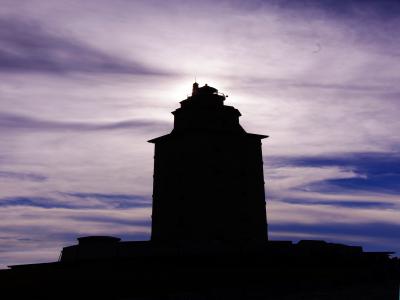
pixel 85 84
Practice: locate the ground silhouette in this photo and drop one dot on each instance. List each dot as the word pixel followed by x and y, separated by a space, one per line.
pixel 209 232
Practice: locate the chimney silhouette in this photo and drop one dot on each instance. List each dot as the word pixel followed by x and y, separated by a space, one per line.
pixel 208 176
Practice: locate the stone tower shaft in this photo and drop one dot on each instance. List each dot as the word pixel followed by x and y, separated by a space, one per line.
pixel 208 176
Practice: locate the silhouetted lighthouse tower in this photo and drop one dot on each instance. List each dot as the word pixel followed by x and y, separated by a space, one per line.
pixel 208 176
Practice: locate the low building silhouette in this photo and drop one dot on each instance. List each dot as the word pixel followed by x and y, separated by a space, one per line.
pixel 209 232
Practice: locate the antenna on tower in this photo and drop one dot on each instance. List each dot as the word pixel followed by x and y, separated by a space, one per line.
pixel 195 87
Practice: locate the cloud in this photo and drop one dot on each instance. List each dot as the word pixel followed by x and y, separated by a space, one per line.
pixel 343 203
pixel 35 234
pixel 371 236
pixel 336 197
pixel 26 46
pixel 282 212
pixel 115 221
pixel 345 8
pixel 79 200
pixel 23 176
pixel 338 87
pixel 364 161
pixel 33 202
pixel 117 200
pixel 371 230
pixel 10 121
pixel 372 172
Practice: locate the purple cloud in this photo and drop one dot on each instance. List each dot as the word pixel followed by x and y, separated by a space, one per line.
pixel 33 202
pixel 26 46
pixel 116 200
pixel 23 176
pixel 13 121
pixel 376 236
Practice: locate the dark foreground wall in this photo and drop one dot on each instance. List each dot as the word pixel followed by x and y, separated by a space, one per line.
pixel 280 271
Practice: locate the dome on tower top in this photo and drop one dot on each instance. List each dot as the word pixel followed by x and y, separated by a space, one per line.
pixel 207 90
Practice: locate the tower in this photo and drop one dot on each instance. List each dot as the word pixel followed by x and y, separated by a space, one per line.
pixel 208 176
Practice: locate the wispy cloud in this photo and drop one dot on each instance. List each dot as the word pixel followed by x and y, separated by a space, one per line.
pixel 27 236
pixel 79 201
pixel 371 230
pixel 12 122
pixel 26 46
pixel 33 202
pixel 22 176
pixel 369 172
pixel 343 203
pixel 336 197
pixel 372 236
pixel 117 200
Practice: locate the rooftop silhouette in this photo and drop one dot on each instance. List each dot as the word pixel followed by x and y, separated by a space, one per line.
pixel 209 236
